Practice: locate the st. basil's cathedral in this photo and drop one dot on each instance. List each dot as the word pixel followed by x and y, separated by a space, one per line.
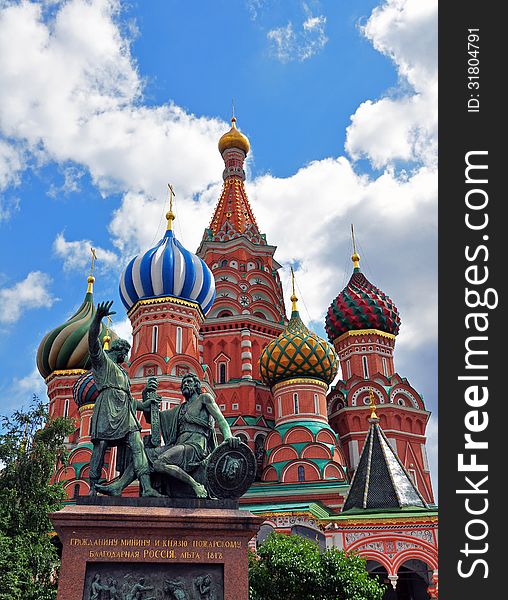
pixel 344 465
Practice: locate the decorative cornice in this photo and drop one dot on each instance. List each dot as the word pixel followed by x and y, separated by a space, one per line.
pixel 64 373
pixel 353 332
pixel 403 520
pixel 85 407
pixel 162 299
pixel 300 380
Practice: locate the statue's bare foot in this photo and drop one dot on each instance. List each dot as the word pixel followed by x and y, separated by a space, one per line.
pixel 151 493
pixel 200 491
pixel 108 490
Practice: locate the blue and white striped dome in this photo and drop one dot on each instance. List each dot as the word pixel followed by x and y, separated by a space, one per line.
pixel 168 270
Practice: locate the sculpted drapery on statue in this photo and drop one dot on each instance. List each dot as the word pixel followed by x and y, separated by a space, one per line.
pixel 190 463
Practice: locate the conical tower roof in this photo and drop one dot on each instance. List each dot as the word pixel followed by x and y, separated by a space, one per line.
pixel 380 480
pixel 233 216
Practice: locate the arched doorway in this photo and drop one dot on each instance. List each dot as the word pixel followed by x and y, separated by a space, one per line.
pixel 377 571
pixel 264 531
pixel 311 534
pixel 413 580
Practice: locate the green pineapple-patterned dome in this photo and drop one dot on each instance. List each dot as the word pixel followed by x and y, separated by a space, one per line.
pixel 65 348
pixel 297 352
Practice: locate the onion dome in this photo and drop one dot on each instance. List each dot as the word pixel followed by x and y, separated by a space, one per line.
pixel 168 269
pixel 297 352
pixel 234 139
pixel 84 390
pixel 361 305
pixel 66 347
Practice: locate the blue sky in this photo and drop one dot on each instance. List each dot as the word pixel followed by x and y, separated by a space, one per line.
pixel 103 102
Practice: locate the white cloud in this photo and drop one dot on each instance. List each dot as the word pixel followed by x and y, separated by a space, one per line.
pixel 123 329
pixel 77 255
pixel 11 163
pixel 432 453
pixel 288 44
pixel 402 127
pixel 31 292
pixel 70 91
pixel 8 206
pixel 72 176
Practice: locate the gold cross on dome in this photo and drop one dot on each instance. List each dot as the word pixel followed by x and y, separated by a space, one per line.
pixel 170 216
pixel 94 258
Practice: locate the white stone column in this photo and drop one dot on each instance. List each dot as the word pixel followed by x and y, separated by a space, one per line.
pixel 393 580
pixel 246 346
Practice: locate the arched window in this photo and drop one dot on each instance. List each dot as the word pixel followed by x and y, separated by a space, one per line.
pixel 385 367
pixel 301 473
pixel 178 341
pixel 223 263
pixel 295 402
pixel 155 338
pixel 66 408
pixel 365 367
pixel 76 490
pixel 348 368
pixel 222 372
pixel 225 313
pixel 316 404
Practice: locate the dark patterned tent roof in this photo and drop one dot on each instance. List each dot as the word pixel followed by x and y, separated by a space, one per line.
pixel 380 480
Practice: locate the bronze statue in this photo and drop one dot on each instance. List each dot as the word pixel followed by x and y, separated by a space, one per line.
pixel 188 431
pixel 114 419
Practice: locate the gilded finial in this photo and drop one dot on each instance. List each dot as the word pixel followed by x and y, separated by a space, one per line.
pixel 170 215
pixel 294 299
pixel 107 338
pixel 91 278
pixel 355 257
pixel 372 405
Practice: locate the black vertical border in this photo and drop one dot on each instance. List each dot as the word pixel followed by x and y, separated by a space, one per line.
pixel 461 131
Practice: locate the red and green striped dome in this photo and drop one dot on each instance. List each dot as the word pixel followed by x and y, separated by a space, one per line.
pixel 84 390
pixel 361 305
pixel 66 347
pixel 297 352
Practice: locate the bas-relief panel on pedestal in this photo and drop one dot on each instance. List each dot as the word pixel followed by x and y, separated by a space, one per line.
pixel 153 581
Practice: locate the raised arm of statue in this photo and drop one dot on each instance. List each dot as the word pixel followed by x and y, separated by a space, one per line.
pixel 94 346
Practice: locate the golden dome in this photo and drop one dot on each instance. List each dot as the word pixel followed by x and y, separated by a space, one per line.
pixel 234 139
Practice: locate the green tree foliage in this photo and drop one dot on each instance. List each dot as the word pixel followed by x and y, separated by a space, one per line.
pixel 294 568
pixel 31 444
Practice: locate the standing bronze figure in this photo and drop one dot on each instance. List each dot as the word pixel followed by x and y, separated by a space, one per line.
pixel 114 420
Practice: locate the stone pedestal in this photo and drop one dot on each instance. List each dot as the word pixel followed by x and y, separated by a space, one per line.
pixel 162 548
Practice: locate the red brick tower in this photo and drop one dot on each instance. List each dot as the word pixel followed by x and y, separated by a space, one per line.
pixel 362 323
pixel 249 309
pixel 299 366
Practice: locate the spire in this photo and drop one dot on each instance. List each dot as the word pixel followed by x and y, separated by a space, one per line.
pixel 373 416
pixel 91 278
pixel 107 338
pixel 355 257
pixel 294 299
pixel 170 216
pixel 233 214
pixel 380 480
